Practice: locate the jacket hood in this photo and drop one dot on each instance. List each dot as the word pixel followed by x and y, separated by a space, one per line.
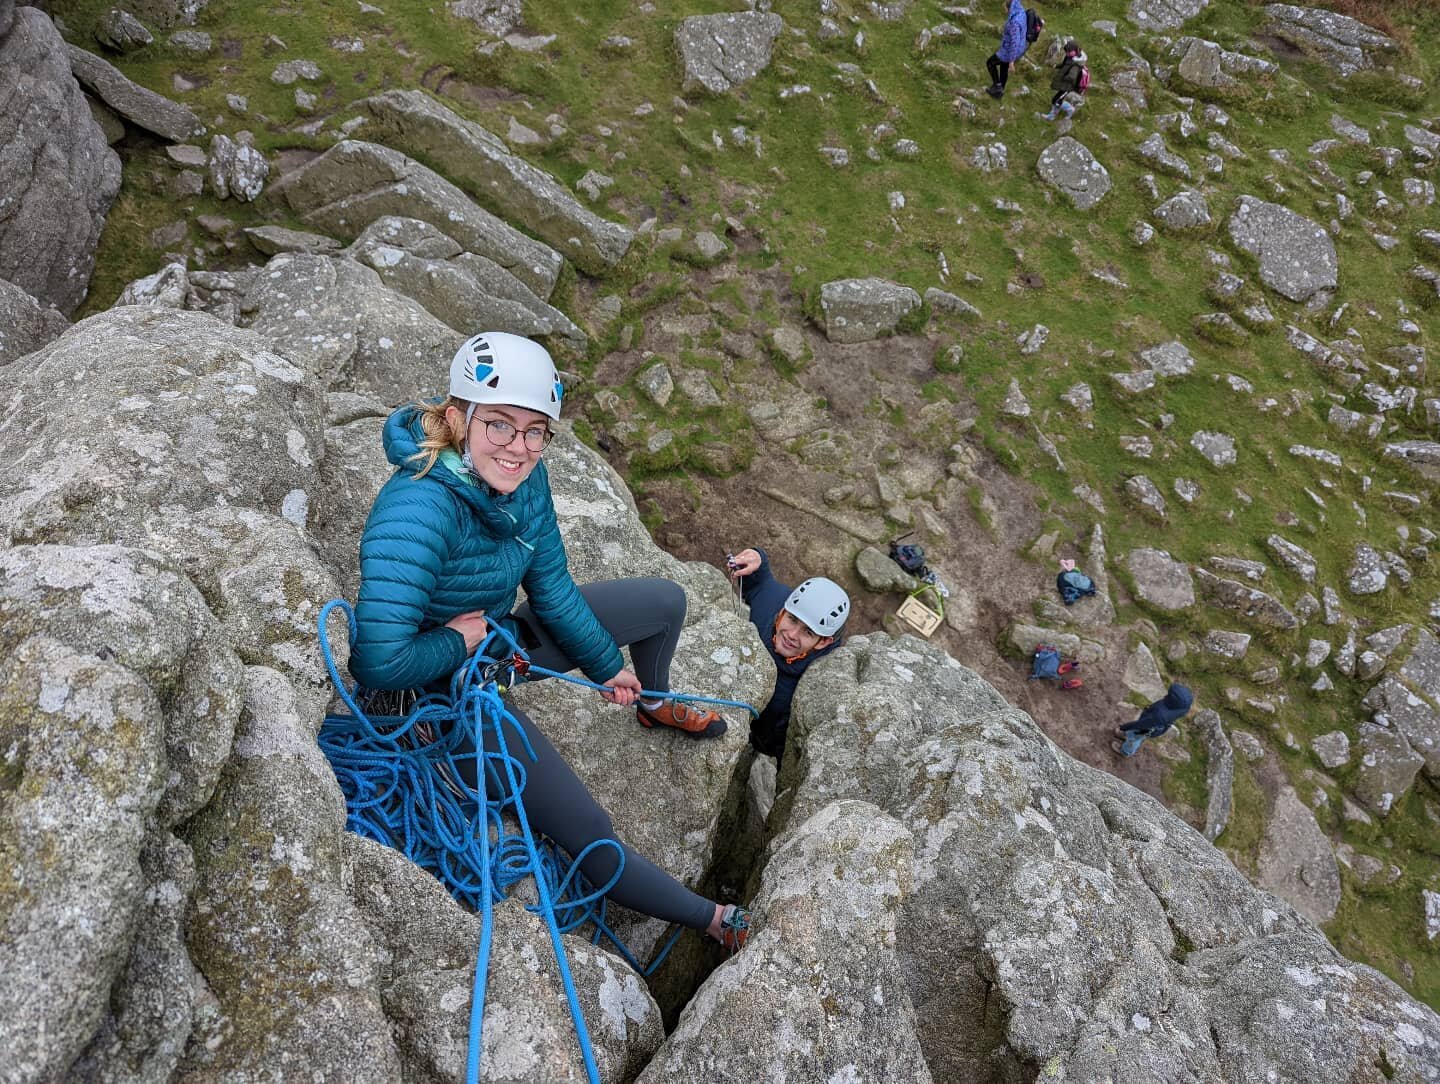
pixel 402 437
pixel 1179 698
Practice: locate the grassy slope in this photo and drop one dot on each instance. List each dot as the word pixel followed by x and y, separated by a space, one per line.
pixel 819 223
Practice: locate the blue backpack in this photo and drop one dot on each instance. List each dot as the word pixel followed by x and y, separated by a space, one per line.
pixel 1073 586
pixel 1046 663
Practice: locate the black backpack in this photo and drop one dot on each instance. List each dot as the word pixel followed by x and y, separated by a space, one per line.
pixel 1033 25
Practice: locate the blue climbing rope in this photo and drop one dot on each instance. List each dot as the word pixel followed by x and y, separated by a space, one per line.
pixel 401 778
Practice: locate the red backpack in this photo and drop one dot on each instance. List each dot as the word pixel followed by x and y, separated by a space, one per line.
pixel 1084 83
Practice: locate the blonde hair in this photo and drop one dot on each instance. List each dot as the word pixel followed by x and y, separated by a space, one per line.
pixel 439 433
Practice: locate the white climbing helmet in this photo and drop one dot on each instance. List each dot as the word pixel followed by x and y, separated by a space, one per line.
pixel 501 369
pixel 821 604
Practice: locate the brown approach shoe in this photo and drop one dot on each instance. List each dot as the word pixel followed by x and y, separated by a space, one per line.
pixel 691 721
pixel 734 929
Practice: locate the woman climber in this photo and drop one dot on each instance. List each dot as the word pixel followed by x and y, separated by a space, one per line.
pixel 465 520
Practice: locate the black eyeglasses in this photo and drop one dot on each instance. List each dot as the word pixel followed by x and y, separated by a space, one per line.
pixel 502 434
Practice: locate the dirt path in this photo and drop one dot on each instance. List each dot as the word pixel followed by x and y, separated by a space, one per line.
pixel 993 585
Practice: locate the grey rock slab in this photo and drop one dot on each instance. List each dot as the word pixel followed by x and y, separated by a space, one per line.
pixel 1367 574
pixel 271 907
pixel 194 42
pixel 1346 44
pixel 1160 580
pixel 271 240
pixel 720 52
pixel 1422 666
pixel 1387 767
pixel 1422 455
pixel 1249 602
pixel 1332 749
pixel 1296 861
pixel 461 289
pixel 289 72
pixel 1154 151
pixel 656 383
pixel 1026 638
pixel 1146 496
pixel 167 13
pixel 1169 359
pixel 429 942
pixel 25 324
pixel 236 170
pixel 942 301
pixel 1202 65
pixel 476 159
pixel 1219 772
pixel 74 821
pixel 1226 644
pixel 1185 211
pixel 121 32
pixel 58 176
pixel 354 183
pixel 1296 255
pixel 1217 448
pixel 859 310
pixel 498 18
pixel 1068 165
pixel 1289 555
pixel 1142 674
pixel 141 107
pixel 879 573
pixel 333 315
pixel 970 779
pixel 1159 15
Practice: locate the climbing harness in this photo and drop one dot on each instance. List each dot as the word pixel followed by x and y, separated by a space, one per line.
pixel 396 757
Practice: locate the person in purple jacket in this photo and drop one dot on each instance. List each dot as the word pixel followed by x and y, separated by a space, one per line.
pixel 1012 48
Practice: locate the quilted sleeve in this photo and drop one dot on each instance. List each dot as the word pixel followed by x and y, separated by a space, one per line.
pixel 406 543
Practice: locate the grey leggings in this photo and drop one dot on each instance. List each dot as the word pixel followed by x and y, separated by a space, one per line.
pixel 646 614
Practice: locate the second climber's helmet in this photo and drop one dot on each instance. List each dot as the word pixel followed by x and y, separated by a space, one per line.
pixel 820 604
pixel 501 369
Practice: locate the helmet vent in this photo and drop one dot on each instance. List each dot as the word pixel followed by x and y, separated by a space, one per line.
pixel 493 382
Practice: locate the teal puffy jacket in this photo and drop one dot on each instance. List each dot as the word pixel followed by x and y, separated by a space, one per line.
pixel 446 544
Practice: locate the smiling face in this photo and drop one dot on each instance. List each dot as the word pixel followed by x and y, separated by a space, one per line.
pixel 503 468
pixel 794 638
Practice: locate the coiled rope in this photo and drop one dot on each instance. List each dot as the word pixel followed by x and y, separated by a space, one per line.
pixel 401 778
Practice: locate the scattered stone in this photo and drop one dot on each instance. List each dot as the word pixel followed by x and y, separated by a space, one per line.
pixel 1169 359
pixel 1226 644
pixel 879 573
pixel 1387 768
pixel 1154 151
pixel 1160 580
pixel 859 310
pixel 941 301
pixel 1296 861
pixel 1342 43
pixel 1159 15
pixel 1186 211
pixel 720 52
pixel 1142 674
pixel 1135 383
pixel 1079 397
pixel 288 72
pixel 1368 574
pixel 275 239
pixel 1249 602
pixel 1422 666
pixel 1144 494
pixel 1026 638
pixel 1015 405
pixel 1333 749
pixel 121 32
pixel 1239 566
pixel 1032 341
pixel 1068 165
pixel 520 135
pixel 193 42
pixel 990 158
pixel 141 107
pixel 593 184
pixel 656 383
pixel 236 169
pixel 705 247
pixel 1218 448
pixel 1296 255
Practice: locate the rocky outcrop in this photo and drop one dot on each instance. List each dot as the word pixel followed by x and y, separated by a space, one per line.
pixel 1068 165
pixel 1155 15
pixel 353 184
pixel 58 177
pixel 1249 602
pixel 1160 580
pixel 1343 43
pixel 25 324
pixel 479 161
pixel 459 288
pixel 141 107
pixel 1296 255
pixel 720 52
pixel 858 310
pixel 1296 862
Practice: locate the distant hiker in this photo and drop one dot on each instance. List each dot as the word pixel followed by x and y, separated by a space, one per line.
pixel 1070 82
pixel 797 628
pixel 1012 47
pixel 1154 721
pixel 465 520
